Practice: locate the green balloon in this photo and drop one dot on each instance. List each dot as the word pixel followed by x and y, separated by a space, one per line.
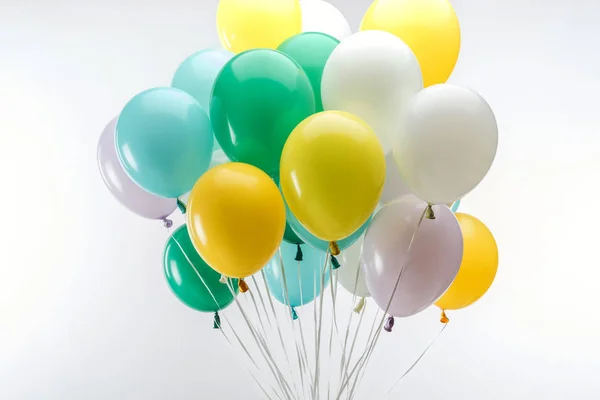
pixel 184 277
pixel 258 99
pixel 311 50
pixel 290 236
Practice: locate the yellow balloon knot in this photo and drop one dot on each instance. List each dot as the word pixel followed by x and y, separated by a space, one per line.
pixel 223 280
pixel 243 286
pixel 429 214
pixel 443 318
pixel 334 249
pixel 360 305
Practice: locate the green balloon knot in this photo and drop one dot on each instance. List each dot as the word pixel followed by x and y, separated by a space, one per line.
pixel 334 262
pixel 181 206
pixel 294 314
pixel 298 253
pixel 217 321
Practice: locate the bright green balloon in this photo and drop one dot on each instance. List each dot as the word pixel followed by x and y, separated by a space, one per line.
pixel 311 50
pixel 185 279
pixel 258 99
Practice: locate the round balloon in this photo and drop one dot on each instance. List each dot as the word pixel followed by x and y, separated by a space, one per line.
pixel 321 16
pixel 303 278
pixel 164 141
pixel 122 187
pixel 394 186
pixel 191 279
pixel 478 268
pixel 245 25
pixel 311 50
pixel 258 99
pixel 429 27
pixel 350 275
pixel 446 143
pixel 426 270
pixel 236 219
pixel 332 174
pixel 372 75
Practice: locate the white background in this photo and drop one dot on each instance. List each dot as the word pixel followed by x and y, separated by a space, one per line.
pixel 84 309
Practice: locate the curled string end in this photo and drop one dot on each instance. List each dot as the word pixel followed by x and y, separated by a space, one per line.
pixel 167 223
pixel 429 214
pixel 443 318
pixel 217 321
pixel 181 206
pixel 243 286
pixel 360 305
pixel 334 262
pixel 389 324
pixel 294 313
pixel 334 249
pixel 299 255
pixel 223 280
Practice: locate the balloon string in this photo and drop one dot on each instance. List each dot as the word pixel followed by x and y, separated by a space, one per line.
pixel 305 354
pixel 318 349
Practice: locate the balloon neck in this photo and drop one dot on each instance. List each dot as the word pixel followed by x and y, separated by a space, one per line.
pixel 223 280
pixel 334 249
pixel 299 255
pixel 167 223
pixel 334 262
pixel 294 314
pixel 181 206
pixel 389 324
pixel 429 214
pixel 360 305
pixel 216 321
pixel 243 286
pixel 443 318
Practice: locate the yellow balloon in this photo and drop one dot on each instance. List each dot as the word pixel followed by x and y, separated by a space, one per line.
pixel 429 27
pixel 478 268
pixel 332 173
pixel 236 219
pixel 250 24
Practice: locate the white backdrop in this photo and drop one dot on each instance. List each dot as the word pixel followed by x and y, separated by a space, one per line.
pixel 84 309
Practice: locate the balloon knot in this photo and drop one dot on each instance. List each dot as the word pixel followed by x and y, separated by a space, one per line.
pixel 334 262
pixel 223 280
pixel 299 255
pixel 181 206
pixel 167 223
pixel 360 305
pixel 294 314
pixel 334 249
pixel 443 318
pixel 216 321
pixel 243 286
pixel 389 324
pixel 429 214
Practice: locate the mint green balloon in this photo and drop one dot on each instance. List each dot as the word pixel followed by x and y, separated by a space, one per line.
pixel 164 141
pixel 258 99
pixel 311 50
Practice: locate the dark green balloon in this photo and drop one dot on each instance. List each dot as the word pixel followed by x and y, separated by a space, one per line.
pixel 311 50
pixel 258 99
pixel 290 236
pixel 185 282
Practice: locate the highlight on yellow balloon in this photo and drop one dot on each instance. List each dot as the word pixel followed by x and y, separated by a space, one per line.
pixel 478 268
pixel 332 174
pixel 429 27
pixel 236 219
pixel 250 24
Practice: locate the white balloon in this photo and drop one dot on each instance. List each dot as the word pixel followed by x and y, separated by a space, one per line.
pixel 350 267
pixel 394 187
pixel 320 16
pixel 446 144
pixel 373 75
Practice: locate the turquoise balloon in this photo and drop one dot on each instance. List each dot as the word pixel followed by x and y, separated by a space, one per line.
pixel 455 206
pixel 303 278
pixel 164 141
pixel 197 74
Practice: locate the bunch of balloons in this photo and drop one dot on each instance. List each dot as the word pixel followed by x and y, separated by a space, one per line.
pixel 309 152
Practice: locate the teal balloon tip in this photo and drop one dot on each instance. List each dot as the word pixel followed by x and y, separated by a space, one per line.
pixel 181 206
pixel 299 255
pixel 217 321
pixel 334 262
pixel 294 314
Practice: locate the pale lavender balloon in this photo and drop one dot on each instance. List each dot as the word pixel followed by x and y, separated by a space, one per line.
pixel 122 187
pixel 429 267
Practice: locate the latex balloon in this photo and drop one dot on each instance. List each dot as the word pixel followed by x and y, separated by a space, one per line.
pixel 245 25
pixel 303 278
pixel 394 186
pixel 332 174
pixel 350 275
pixel 426 271
pixel 446 143
pixel 372 75
pixel 429 27
pixel 455 206
pixel 191 279
pixel 258 99
pixel 311 51
pixel 164 141
pixel 478 268
pixel 321 16
pixel 122 187
pixel 290 236
pixel 236 219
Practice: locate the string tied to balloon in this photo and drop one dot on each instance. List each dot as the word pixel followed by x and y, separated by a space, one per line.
pixel 181 206
pixel 294 313
pixel 334 249
pixel 360 305
pixel 389 324
pixel 444 318
pixel 243 286
pixel 223 280
pixel 167 223
pixel 216 321
pixel 429 214
pixel 334 262
pixel 299 255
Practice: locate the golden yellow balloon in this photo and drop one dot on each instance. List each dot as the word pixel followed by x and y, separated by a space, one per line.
pixel 236 219
pixel 251 24
pixel 429 27
pixel 478 268
pixel 332 174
